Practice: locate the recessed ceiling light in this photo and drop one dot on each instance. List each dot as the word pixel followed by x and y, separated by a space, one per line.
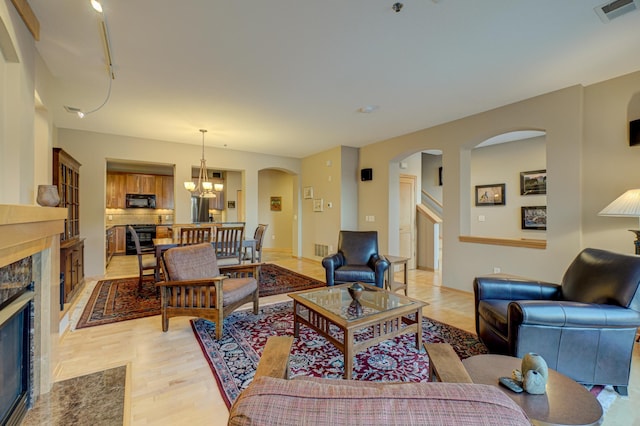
pixel 368 109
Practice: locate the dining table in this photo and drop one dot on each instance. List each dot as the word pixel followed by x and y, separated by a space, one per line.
pixel 162 244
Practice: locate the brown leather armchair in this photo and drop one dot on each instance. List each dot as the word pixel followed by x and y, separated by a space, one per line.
pixel 357 259
pixel 584 327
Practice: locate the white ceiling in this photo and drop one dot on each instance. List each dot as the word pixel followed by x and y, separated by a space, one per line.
pixel 287 77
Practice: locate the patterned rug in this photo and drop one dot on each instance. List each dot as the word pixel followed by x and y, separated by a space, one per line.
pixel 118 299
pixel 234 358
pixel 277 280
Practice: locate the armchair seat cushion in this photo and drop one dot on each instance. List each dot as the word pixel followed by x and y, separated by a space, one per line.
pixel 350 273
pixel 236 289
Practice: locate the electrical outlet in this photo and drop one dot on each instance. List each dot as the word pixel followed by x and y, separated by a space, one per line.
pixel 496 270
pixel 110 217
pixel 481 218
pixel 273 237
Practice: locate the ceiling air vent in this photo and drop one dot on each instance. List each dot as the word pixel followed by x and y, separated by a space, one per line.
pixel 616 9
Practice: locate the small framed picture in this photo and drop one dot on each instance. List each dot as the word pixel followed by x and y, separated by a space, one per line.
pixel 307 192
pixel 231 204
pixel 533 182
pixel 276 204
pixel 534 217
pixel 490 195
pixel 317 204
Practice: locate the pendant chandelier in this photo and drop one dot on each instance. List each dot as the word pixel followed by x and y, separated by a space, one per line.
pixel 203 188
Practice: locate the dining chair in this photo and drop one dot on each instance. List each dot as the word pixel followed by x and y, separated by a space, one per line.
pixel 197 235
pixel 228 244
pixel 145 261
pixel 258 236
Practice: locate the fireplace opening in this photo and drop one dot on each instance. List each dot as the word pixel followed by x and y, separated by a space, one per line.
pixel 15 368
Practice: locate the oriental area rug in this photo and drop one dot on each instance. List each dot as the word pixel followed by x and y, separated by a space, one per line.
pixel 234 358
pixel 118 300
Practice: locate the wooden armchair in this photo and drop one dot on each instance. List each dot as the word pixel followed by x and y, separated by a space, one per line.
pixel 196 286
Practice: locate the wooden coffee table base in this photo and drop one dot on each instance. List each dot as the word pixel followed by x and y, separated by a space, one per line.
pixel 383 327
pixel 565 403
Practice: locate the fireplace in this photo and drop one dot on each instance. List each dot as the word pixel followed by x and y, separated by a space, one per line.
pixel 15 366
pixel 29 305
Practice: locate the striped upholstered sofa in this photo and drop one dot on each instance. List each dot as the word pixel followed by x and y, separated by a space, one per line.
pixel 276 400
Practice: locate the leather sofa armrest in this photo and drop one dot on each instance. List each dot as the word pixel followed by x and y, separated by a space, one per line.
pixel 331 263
pixel 380 265
pixel 568 314
pixel 512 288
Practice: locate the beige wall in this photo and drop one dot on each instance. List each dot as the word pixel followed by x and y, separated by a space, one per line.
pixel 274 183
pixel 610 165
pixel 93 149
pixel 497 164
pixel 559 114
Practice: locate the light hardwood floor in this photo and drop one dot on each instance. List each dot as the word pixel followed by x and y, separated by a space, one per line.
pixel 169 381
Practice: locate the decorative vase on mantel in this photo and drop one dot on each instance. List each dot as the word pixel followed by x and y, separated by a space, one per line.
pixel 48 195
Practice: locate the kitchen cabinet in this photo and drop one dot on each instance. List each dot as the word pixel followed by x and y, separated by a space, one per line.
pixel 141 184
pixel 164 192
pixel 120 240
pixel 116 190
pixel 110 244
pixel 162 232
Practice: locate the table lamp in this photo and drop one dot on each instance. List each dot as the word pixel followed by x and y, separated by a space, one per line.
pixel 626 205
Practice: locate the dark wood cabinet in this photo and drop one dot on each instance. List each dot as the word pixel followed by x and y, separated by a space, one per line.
pixel 141 184
pixel 66 175
pixel 120 239
pixel 116 190
pixel 164 192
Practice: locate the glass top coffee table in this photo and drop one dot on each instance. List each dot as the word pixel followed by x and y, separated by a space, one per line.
pixel 330 312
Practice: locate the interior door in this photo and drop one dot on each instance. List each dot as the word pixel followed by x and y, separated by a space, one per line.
pixel 408 219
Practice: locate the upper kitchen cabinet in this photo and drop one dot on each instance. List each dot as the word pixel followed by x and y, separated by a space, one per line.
pixel 164 192
pixel 141 184
pixel 116 190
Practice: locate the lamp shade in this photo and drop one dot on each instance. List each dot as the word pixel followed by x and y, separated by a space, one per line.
pixel 626 205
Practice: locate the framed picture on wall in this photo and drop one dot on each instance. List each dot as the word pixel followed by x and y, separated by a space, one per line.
pixel 276 204
pixel 533 182
pixel 317 204
pixel 534 217
pixel 307 192
pixel 231 204
pixel 490 195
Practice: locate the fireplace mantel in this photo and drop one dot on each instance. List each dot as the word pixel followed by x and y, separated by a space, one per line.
pixel 29 230
pixel 26 230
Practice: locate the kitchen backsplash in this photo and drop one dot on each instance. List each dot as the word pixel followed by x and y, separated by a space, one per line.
pixel 138 216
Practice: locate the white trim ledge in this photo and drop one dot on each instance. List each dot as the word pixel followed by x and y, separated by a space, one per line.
pixel 510 242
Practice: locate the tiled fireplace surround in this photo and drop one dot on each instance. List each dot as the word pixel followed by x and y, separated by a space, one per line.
pixel 35 231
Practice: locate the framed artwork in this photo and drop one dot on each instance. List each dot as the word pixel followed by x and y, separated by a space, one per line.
pixel 317 204
pixel 276 204
pixel 490 195
pixel 533 182
pixel 307 192
pixel 231 204
pixel 534 217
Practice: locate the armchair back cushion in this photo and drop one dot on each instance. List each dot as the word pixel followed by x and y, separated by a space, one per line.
pixel 357 248
pixel 357 259
pixel 603 277
pixel 191 263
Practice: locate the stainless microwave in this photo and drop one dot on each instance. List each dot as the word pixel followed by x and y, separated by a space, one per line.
pixel 141 201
